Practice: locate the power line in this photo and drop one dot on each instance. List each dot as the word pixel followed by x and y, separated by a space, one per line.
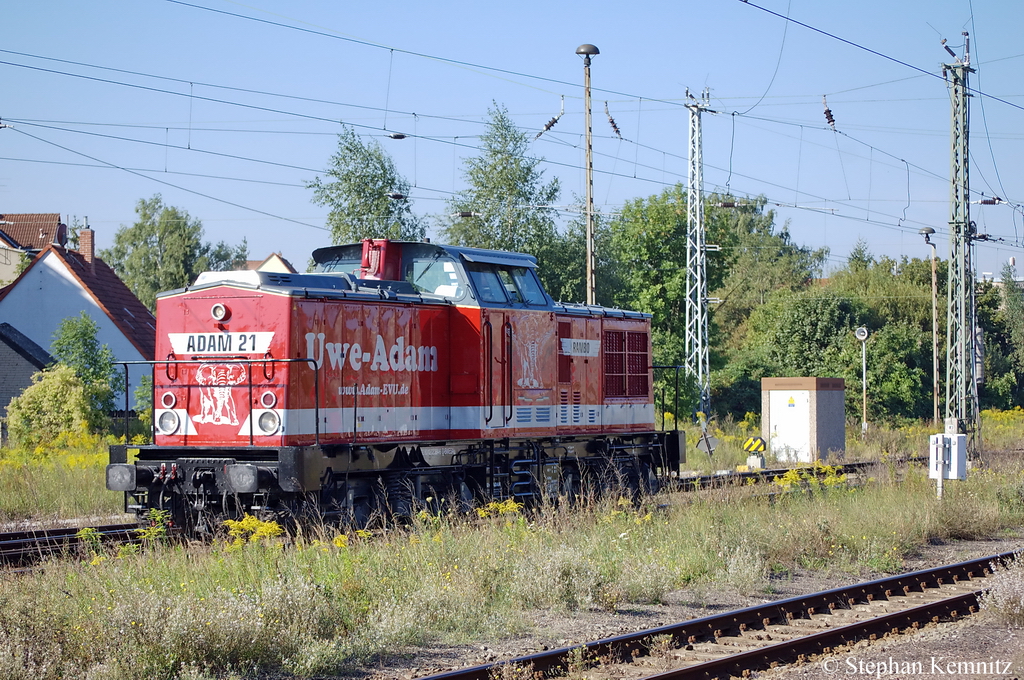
pixel 166 172
pixel 454 62
pixel 182 81
pixel 169 184
pixel 874 52
pixel 436 139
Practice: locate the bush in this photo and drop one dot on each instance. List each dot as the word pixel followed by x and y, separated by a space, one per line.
pixel 1005 596
pixel 56 402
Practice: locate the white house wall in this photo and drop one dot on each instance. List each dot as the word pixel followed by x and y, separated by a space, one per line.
pixel 9 259
pixel 48 294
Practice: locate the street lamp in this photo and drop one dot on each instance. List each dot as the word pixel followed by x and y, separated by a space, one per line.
pixel 862 335
pixel 927 233
pixel 587 51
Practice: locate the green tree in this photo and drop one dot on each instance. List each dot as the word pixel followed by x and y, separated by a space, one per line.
pixel 75 345
pixel 899 373
pixel 165 250
pixel 805 334
pixel 507 206
pixel 24 260
pixel 56 402
pixel 648 239
pixel 1001 318
pixel 758 260
pixel 807 331
pixel 565 266
pixel 1013 306
pixel 648 243
pixel 358 188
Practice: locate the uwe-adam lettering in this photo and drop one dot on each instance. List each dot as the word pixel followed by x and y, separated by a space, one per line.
pixel 399 357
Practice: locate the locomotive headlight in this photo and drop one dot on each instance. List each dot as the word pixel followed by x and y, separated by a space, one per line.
pixel 243 478
pixel 269 422
pixel 121 477
pixel 220 312
pixel 168 422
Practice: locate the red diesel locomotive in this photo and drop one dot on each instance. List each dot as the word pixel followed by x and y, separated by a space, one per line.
pixel 395 374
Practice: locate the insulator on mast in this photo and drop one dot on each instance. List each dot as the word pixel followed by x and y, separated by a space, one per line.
pixel 551 123
pixel 611 121
pixel 828 114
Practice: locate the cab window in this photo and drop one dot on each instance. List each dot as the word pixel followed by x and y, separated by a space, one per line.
pixel 528 285
pixel 436 275
pixel 487 283
pixel 504 284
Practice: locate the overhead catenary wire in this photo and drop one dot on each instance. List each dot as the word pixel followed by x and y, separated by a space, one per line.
pixel 169 184
pixel 652 180
pixel 851 43
pixel 660 151
pixel 368 127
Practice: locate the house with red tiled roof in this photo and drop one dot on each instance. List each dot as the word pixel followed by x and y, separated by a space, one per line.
pixel 62 283
pixel 275 262
pixel 27 234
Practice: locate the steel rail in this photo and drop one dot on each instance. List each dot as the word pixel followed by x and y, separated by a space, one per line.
pixel 731 478
pixel 19 547
pixel 781 612
pixel 801 649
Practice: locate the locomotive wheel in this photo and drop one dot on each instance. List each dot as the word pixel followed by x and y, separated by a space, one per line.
pixel 362 512
pixel 649 484
pixel 464 501
pixel 397 496
pixel 570 485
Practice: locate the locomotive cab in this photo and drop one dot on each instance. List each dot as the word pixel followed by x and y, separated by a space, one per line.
pixel 463 275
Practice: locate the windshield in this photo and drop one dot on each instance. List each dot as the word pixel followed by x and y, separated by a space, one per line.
pixel 503 284
pixel 436 275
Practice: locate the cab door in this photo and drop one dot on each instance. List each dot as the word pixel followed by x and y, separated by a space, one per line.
pixel 496 329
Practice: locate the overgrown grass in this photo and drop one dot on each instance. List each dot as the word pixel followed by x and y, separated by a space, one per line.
pixel 65 480
pixel 1000 431
pixel 62 481
pixel 324 603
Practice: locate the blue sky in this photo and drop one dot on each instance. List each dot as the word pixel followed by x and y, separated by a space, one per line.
pixel 227 108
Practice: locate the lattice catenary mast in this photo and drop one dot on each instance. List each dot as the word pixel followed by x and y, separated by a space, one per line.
pixel 696 270
pixel 961 386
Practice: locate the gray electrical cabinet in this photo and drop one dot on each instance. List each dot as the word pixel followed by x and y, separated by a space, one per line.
pixel 803 419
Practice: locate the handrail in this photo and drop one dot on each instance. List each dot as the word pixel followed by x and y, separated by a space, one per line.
pixel 224 360
pixel 675 395
pixel 489 343
pixel 508 373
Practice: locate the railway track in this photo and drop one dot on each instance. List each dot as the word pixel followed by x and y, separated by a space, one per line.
pixel 21 548
pixel 732 478
pixel 737 643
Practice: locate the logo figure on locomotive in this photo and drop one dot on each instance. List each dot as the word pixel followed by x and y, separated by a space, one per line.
pixel 395 374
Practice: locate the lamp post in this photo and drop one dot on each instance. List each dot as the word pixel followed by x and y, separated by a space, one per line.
pixel 587 51
pixel 862 335
pixel 927 233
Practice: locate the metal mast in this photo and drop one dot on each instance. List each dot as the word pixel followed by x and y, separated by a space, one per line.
pixel 961 387
pixel 696 271
pixel 587 51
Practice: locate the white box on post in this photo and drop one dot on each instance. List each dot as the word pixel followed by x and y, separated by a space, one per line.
pixel 947 457
pixel 938 456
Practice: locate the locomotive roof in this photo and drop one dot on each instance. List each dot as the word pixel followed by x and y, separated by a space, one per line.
pixel 343 285
pixel 329 253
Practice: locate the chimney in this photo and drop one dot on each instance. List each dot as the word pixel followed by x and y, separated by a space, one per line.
pixel 85 244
